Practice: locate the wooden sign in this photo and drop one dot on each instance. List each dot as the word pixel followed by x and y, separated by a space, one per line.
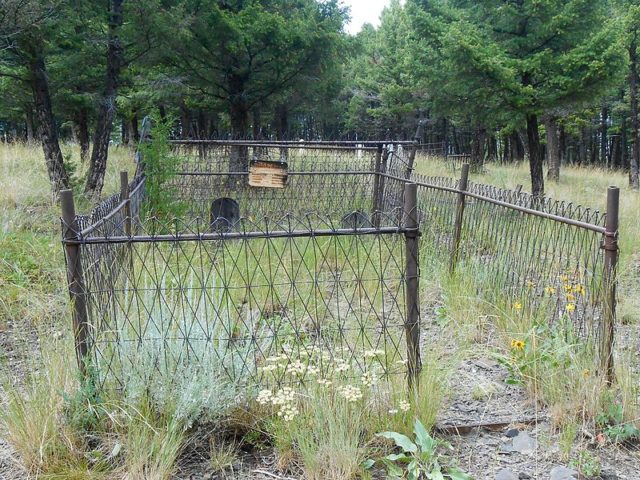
pixel 268 174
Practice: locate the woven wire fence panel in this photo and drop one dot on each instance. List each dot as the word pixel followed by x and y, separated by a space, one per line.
pixel 536 263
pixel 321 179
pixel 170 306
pixel 521 262
pixel 437 211
pixel 546 204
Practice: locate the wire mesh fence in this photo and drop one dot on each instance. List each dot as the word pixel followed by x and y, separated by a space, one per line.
pixel 301 276
pixel 321 272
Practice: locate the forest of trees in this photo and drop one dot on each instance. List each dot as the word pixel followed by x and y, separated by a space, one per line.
pixel 552 81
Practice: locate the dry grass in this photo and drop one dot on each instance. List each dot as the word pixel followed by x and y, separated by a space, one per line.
pixel 558 369
pixel 32 292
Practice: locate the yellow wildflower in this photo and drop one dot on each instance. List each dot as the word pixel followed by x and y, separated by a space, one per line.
pixel 549 290
pixel 571 307
pixel 571 298
pixel 517 306
pixel 518 344
pixel 579 289
pixel 530 284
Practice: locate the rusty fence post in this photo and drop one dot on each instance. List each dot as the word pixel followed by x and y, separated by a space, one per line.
pixel 609 283
pixel 412 280
pixel 124 196
pixel 376 187
pixel 457 227
pixel 75 279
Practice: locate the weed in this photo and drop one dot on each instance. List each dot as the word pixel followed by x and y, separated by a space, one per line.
pixel 419 457
pixel 221 455
pixel 587 464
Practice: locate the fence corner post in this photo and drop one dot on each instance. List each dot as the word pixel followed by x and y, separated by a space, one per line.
pixel 124 197
pixel 375 214
pixel 412 279
pixel 457 227
pixel 75 279
pixel 609 280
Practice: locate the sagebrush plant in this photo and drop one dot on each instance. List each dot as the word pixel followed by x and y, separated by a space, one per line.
pixel 188 354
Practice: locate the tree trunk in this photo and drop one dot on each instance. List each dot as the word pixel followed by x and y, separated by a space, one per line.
pixel 257 123
pixel 624 144
pixel 492 148
pixel 47 125
pixel 604 138
pixel 562 145
pixel 635 127
pixel 282 127
pixel 134 131
pixel 553 148
pixel 239 113
pixel 28 117
pixel 108 107
pixel 81 131
pixel 126 138
pixel 535 157
pixel 582 150
pixel 478 149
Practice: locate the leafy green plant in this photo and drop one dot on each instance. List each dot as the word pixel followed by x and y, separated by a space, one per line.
pixel 612 423
pixel 587 464
pixel 419 458
pixel 160 165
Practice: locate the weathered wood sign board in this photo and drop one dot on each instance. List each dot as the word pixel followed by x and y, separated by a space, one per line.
pixel 268 174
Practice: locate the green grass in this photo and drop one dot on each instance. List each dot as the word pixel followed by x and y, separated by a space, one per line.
pixel 553 367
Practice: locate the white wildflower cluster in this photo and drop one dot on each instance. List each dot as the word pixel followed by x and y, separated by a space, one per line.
pixel 369 379
pixel 350 393
pixel 284 399
pixel 341 366
pixel 325 382
pixel 265 397
pixel 403 407
pixel 296 368
pixel 372 353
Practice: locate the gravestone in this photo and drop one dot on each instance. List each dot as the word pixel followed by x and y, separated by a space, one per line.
pixel 357 219
pixel 225 213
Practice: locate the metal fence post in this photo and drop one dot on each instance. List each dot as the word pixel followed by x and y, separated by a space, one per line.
pixel 457 227
pixel 75 279
pixel 412 279
pixel 124 196
pixel 609 280
pixel 376 187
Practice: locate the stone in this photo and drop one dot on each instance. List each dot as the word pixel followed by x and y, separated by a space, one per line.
pixel 506 474
pixel 524 476
pixel 524 443
pixel 563 473
pixel 512 432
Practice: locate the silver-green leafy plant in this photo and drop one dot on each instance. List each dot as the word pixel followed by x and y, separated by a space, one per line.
pixel 420 458
pixel 188 354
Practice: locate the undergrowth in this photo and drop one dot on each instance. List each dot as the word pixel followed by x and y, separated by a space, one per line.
pixel 62 428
